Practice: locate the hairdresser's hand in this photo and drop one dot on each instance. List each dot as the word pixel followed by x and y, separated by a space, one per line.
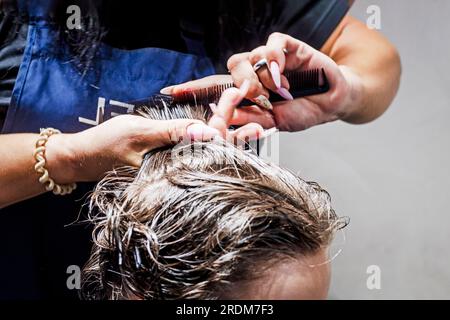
pixel 291 115
pixel 122 140
pixel 125 139
pixel 224 111
pixel 298 114
pixel 88 155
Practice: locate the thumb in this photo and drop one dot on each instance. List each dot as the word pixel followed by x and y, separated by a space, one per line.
pixel 170 132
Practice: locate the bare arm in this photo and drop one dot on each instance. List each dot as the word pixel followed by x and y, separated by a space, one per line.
pixel 18 180
pixel 373 59
pixel 121 141
pixel 363 69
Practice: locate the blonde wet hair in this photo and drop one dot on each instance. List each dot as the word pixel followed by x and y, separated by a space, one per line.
pixel 190 227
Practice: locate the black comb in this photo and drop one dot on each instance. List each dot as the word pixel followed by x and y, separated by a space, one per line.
pixel 302 84
pixel 307 83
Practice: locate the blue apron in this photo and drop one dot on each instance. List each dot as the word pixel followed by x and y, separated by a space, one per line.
pixel 50 91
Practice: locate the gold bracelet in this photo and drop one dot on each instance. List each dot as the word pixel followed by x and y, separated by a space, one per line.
pixel 39 167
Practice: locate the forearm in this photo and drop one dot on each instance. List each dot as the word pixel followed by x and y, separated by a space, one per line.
pixel 89 154
pixel 18 179
pixel 372 66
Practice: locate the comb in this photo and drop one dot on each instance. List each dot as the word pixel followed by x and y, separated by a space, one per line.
pixel 302 84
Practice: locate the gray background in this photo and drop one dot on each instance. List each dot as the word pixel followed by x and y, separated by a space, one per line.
pixel 392 176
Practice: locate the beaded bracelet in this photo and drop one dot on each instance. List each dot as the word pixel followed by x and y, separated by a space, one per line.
pixel 39 167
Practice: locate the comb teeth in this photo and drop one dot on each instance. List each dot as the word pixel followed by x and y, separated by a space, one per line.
pixel 306 83
pixel 302 80
pixel 302 83
pixel 203 96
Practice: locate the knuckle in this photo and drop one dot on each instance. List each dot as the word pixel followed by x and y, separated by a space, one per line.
pixel 255 90
pixel 276 35
pixel 235 60
pixel 275 52
pixel 258 52
pixel 336 98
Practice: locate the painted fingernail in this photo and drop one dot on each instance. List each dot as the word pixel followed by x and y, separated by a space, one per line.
pixel 275 72
pixel 244 87
pixel 263 102
pixel 213 107
pixel 167 90
pixel 198 131
pixel 285 93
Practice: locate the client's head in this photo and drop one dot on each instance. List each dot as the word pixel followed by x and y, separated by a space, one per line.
pixel 207 220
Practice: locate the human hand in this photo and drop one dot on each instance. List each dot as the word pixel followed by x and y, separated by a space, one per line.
pixel 125 139
pixel 297 114
pixel 292 114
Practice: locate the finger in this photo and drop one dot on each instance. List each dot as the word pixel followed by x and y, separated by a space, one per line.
pixel 170 132
pixel 285 82
pixel 257 92
pixel 264 74
pixel 214 80
pixel 241 69
pixel 276 47
pixel 201 132
pixel 254 114
pixel 270 76
pixel 228 102
pixel 305 113
pixel 298 52
pixel 249 132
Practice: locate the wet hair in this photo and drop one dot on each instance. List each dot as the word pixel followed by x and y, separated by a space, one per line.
pixel 198 218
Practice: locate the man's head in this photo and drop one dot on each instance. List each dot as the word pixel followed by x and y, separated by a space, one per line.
pixel 208 220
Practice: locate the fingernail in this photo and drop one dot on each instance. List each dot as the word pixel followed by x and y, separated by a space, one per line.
pixel 275 72
pixel 167 90
pixel 244 87
pixel 213 107
pixel 198 131
pixel 285 93
pixel 263 102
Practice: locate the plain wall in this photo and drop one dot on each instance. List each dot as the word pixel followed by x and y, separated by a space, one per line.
pixel 392 176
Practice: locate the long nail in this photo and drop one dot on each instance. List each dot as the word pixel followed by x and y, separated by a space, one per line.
pixel 213 107
pixel 167 90
pixel 244 87
pixel 285 93
pixel 275 72
pixel 263 102
pixel 198 131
